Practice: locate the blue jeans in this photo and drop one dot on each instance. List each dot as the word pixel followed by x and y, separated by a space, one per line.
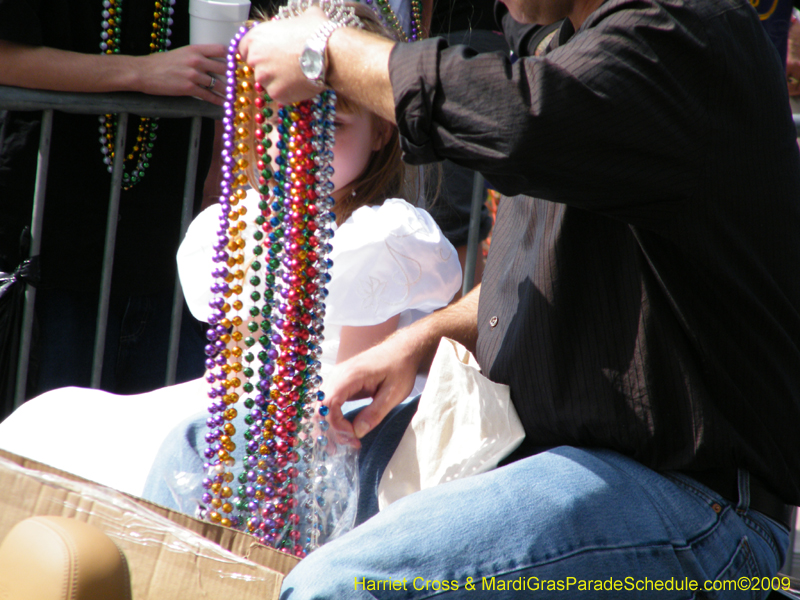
pixel 175 479
pixel 576 517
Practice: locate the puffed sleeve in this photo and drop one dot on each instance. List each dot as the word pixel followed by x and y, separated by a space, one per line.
pixel 386 260
pixel 195 261
pixel 196 255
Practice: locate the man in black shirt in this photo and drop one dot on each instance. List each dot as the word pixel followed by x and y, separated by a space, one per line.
pixel 640 299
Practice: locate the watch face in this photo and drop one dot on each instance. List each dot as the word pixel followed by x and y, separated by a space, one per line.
pixel 311 63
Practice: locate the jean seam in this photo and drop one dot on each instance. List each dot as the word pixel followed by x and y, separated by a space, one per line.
pixel 667 515
pixel 757 529
pixel 749 565
pixel 711 498
pixel 748 521
pixel 744 515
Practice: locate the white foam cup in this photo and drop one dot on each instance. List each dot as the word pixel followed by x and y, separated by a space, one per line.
pixel 216 21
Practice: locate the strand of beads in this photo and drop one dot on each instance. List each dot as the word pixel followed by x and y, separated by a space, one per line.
pixel 110 38
pixel 294 262
pixel 255 477
pixel 224 352
pixel 260 499
pixel 304 276
pixel 416 20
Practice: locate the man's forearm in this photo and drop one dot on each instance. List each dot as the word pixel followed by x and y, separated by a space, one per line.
pixel 358 68
pixel 458 322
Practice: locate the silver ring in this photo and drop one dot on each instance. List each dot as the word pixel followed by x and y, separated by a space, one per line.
pixel 211 85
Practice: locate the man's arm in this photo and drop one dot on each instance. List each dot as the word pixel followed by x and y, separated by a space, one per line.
pixel 358 62
pixel 180 72
pixel 386 372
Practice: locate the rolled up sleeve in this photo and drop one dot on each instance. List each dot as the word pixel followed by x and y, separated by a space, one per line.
pixel 413 70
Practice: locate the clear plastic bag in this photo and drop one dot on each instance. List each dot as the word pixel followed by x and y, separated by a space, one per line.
pixel 329 490
pixel 324 488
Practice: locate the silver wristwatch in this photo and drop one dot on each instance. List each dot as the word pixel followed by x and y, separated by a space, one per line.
pixel 313 59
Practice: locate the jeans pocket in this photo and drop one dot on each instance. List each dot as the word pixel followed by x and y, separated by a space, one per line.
pixel 739 578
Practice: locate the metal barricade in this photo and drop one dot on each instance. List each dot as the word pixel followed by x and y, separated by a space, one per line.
pixel 19 99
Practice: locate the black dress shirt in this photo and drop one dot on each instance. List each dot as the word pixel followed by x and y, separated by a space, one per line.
pixel 643 290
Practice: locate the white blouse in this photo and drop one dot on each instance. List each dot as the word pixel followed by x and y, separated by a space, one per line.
pixel 387 260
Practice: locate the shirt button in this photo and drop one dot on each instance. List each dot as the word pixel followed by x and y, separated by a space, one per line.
pixel 493 322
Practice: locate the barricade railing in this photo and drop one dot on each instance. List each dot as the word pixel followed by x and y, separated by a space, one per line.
pixel 122 103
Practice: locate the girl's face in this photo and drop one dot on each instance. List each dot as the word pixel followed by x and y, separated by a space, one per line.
pixel 358 135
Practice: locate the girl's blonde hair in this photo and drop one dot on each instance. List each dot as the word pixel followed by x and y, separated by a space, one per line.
pixel 385 175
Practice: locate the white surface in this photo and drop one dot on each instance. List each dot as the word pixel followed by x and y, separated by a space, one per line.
pixel 464 425
pixel 216 21
pixel 108 439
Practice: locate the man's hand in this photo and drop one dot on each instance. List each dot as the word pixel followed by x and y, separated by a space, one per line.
pixel 385 373
pixel 273 49
pixel 358 62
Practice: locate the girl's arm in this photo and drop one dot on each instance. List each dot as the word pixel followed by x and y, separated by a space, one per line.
pixel 386 372
pixel 354 340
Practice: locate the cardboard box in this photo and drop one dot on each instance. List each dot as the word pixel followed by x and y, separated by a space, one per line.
pixel 170 555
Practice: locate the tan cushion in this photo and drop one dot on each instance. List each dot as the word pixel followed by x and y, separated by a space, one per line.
pixel 56 558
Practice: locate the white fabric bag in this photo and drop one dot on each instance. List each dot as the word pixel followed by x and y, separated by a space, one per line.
pixel 465 424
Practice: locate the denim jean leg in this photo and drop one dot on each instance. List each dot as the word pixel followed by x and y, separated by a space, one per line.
pixel 567 515
pixel 377 448
pixel 174 477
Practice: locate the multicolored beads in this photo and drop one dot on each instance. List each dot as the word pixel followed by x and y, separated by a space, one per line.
pixel 142 151
pixel 263 351
pixel 388 17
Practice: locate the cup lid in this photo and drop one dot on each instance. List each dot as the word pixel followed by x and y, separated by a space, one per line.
pixel 220 10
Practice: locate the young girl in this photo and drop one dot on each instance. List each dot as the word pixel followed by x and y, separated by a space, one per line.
pixel 391 266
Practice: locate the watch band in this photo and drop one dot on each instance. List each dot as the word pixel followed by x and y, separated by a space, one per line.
pixel 319 43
